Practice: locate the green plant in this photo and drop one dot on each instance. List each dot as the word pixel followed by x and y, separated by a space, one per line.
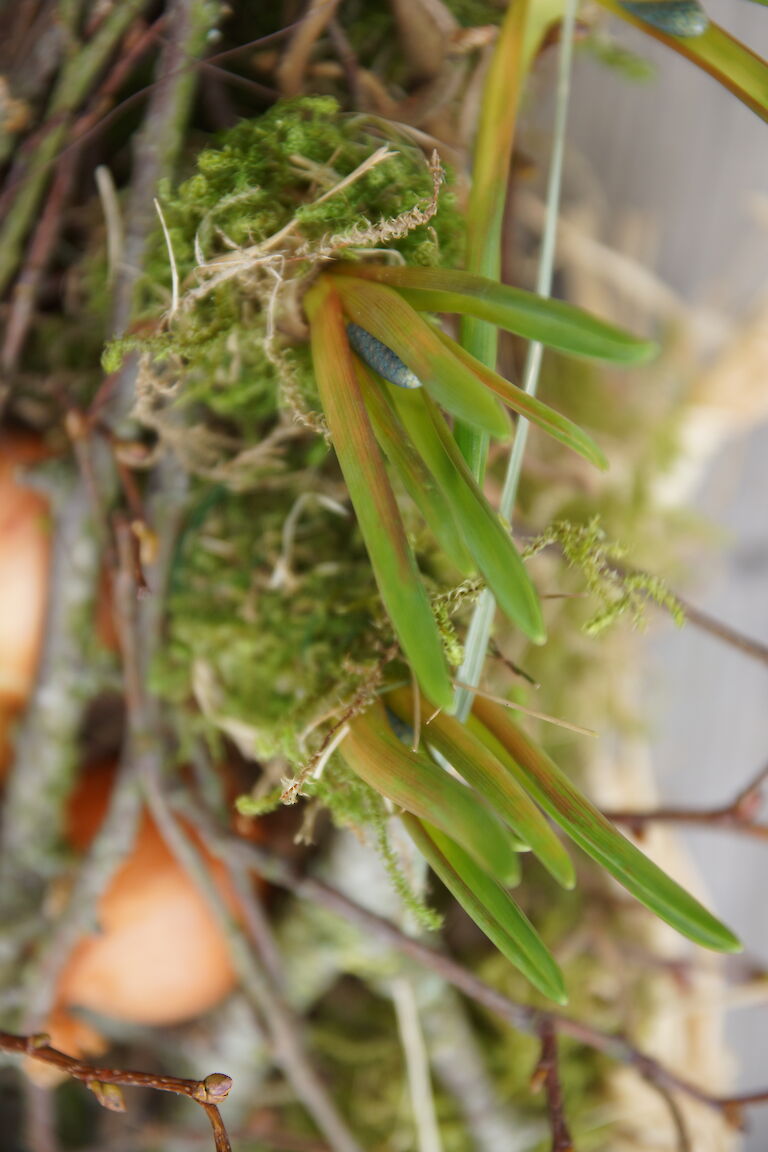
pixel 370 334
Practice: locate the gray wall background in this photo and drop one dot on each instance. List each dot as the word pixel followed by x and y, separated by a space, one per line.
pixel 683 151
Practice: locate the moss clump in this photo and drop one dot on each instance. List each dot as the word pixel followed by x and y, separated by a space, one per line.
pixel 278 172
pixel 264 627
pixel 271 612
pixel 270 200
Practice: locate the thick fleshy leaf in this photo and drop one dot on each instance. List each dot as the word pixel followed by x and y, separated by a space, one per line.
pixel 414 782
pixel 551 322
pixel 488 540
pixel 483 772
pixel 413 473
pixel 546 418
pixel 588 828
pixel 491 908
pixel 371 493
pixel 405 732
pixel 390 319
pixel 715 51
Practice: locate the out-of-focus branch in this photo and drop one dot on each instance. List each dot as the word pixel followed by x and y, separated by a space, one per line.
pixel 75 81
pixel 139 627
pixel 547 1076
pixel 519 1016
pixel 259 979
pixel 49 225
pixel 258 983
pixel 721 631
pixel 705 622
pixel 676 1115
pixel 46 749
pixel 156 149
pixel 105 1082
pixel 724 632
pixel 739 815
pixel 44 762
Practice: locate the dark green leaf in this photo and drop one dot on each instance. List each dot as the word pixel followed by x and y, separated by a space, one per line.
pixel 483 772
pixel 492 909
pixel 374 502
pixel 551 322
pixel 588 828
pixel 487 538
pixel 414 782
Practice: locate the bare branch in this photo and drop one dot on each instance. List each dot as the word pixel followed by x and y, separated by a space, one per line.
pixel 105 1082
pixel 259 980
pixel 676 1113
pixel 519 1016
pixel 546 1075
pixel 724 632
pixel 737 816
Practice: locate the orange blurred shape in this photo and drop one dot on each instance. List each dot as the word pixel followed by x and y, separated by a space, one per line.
pixel 159 956
pixel 25 547
pixel 24 557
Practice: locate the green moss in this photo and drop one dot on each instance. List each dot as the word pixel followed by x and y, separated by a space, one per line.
pixel 296 181
pixel 265 651
pixel 266 174
pixel 619 591
pixel 268 649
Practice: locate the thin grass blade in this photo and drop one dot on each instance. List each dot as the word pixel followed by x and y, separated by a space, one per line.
pixel 483 772
pixel 374 502
pixel 390 319
pixel 414 782
pixel 551 322
pixel 491 907
pixel 588 828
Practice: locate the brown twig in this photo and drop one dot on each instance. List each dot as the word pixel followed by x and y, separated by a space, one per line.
pixel 546 1076
pixel 519 1016
pixel 137 41
pixel 737 816
pixel 38 255
pixel 193 63
pixel 756 649
pixel 705 622
pixel 510 665
pixel 72 86
pixel 348 60
pixel 259 980
pixel 291 69
pixel 105 1082
pixel 156 148
pixel 724 632
pixel 676 1114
